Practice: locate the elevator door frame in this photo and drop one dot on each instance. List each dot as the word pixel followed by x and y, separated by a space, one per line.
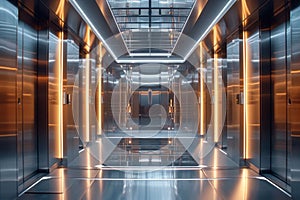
pixel 24 95
pixel 278 20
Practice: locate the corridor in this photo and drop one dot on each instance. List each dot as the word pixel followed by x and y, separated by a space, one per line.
pixel 150 99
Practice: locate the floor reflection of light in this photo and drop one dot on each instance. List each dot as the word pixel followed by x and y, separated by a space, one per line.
pixel 215 172
pixel 62 183
pixel 241 190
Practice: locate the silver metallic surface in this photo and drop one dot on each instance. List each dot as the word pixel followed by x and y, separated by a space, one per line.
pixel 53 99
pixel 253 94
pixel 233 100
pixel 27 101
pixel 279 101
pixel 169 183
pixel 72 139
pixel 294 107
pixel 8 100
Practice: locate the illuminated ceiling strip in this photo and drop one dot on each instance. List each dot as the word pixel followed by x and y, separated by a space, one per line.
pixel 88 21
pixel 117 25
pixel 151 54
pixel 187 19
pixel 133 61
pixel 214 22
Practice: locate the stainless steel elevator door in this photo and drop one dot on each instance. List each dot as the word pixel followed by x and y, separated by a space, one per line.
pixel 233 106
pixel 279 100
pixel 27 101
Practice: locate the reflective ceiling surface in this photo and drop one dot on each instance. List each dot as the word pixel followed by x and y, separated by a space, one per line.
pixel 151 27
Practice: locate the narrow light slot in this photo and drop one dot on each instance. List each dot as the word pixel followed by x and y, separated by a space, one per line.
pixel 216 90
pixel 100 90
pixel 202 121
pixel 245 85
pixel 132 61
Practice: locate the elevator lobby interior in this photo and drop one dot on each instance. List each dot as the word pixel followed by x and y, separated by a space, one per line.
pixel 149 99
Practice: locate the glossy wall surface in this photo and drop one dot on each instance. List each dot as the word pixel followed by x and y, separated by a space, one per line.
pixel 294 108
pixel 252 97
pixel 279 137
pixel 27 101
pixel 72 136
pixel 233 101
pixel 8 100
pixel 54 99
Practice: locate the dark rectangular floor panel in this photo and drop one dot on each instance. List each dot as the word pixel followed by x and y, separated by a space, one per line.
pixel 41 197
pixel 151 190
pixel 59 185
pixel 156 174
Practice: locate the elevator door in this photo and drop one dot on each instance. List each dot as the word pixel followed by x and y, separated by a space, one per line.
pixel 27 102
pixel 279 134
pixel 233 98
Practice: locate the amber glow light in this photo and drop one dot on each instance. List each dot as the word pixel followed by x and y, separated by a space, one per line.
pixel 100 90
pixel 245 14
pixel 216 89
pixel 59 67
pixel 87 39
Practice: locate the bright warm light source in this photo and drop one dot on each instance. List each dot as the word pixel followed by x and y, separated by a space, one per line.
pixel 245 14
pixel 87 39
pixel 216 89
pixel 58 115
pixel 100 90
pixel 246 89
pixel 202 121
pixel 59 68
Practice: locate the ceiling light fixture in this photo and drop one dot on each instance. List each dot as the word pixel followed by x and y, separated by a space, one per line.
pixel 228 5
pixel 96 32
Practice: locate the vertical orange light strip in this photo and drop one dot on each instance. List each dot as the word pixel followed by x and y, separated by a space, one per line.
pixel 245 14
pixel 202 131
pixel 245 83
pixel 216 89
pixel 87 87
pixel 60 95
pixel 100 90
pixel 60 67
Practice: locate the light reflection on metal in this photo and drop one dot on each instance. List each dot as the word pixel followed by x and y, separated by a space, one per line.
pixel 87 85
pixel 100 89
pixel 202 95
pixel 58 71
pixel 88 21
pixel 59 67
pixel 217 18
pixel 216 88
pixel 245 14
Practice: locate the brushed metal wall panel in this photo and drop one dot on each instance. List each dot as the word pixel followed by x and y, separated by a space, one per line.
pixel 52 100
pixel 294 108
pixel 279 101
pixel 233 107
pixel 72 69
pixel 29 100
pixel 8 100
pixel 253 97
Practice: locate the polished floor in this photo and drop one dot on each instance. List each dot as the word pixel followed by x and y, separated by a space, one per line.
pixel 216 177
